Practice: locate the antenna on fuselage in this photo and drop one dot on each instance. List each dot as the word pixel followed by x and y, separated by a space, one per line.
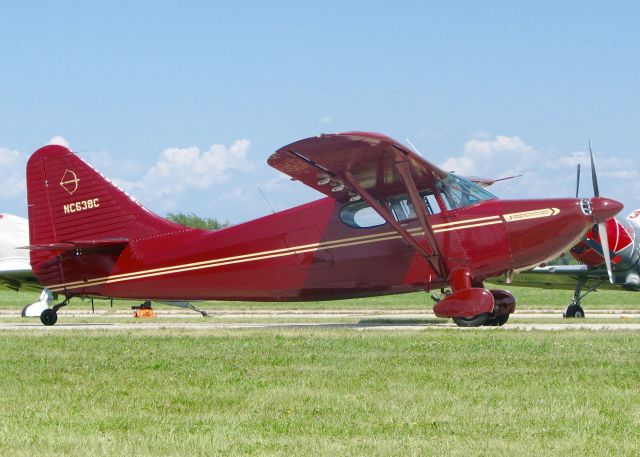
pixel 413 147
pixel 577 180
pixel 273 211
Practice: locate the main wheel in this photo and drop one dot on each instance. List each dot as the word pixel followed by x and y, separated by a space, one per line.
pixel 48 317
pixel 574 310
pixel 497 321
pixel 475 321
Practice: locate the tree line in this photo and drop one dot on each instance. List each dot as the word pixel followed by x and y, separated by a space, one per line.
pixel 195 221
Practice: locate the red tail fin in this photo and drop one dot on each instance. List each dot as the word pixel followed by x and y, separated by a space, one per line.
pixel 70 201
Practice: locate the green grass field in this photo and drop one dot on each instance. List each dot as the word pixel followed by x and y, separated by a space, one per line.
pixel 312 392
pixel 316 392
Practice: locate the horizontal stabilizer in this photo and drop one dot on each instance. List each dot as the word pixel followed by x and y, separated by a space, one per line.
pixel 79 244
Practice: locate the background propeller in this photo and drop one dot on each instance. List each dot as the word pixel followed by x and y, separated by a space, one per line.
pixel 594 177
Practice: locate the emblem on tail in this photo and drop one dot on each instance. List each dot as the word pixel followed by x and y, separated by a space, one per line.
pixel 69 181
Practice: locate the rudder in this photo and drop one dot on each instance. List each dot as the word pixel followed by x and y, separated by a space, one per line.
pixel 70 201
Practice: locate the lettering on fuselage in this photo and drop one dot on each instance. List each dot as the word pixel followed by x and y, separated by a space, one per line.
pixel 82 205
pixel 535 214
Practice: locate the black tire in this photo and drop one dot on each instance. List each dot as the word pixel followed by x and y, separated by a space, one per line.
pixel 475 321
pixel 574 311
pixel 49 317
pixel 497 321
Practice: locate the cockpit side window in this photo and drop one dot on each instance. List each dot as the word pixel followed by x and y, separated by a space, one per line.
pixel 458 193
pixel 451 192
pixel 361 215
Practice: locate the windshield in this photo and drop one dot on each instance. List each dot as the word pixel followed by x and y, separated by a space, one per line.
pixel 457 192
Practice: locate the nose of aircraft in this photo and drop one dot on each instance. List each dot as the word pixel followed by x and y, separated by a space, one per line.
pixel 604 208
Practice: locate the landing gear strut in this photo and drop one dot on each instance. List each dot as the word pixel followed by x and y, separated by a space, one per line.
pixel 574 309
pixel 50 315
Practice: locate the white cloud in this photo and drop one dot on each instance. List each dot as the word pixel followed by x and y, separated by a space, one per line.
pixel 485 155
pixel 12 176
pixel 180 169
pixel 239 195
pixel 59 140
pixel 545 174
pixel 621 174
pixel 616 175
pixel 570 160
pixel 326 120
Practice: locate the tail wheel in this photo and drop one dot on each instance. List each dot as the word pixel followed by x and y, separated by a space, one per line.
pixel 475 321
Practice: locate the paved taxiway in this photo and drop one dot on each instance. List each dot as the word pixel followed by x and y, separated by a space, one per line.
pixel 366 320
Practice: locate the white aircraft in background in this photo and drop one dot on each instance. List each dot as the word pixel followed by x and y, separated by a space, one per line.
pixel 15 267
pixel 14 263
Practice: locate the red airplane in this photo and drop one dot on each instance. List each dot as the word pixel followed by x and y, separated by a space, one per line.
pixel 391 223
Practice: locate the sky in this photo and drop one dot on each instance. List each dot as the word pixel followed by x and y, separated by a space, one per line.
pixel 181 103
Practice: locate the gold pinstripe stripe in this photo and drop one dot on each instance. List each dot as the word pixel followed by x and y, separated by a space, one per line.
pixel 458 227
pixel 144 275
pixel 244 257
pixel 466 221
pixel 345 242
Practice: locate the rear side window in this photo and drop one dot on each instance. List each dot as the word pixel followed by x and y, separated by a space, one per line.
pixel 360 215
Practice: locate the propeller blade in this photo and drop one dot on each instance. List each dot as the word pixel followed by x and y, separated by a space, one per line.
pixel 594 178
pixel 604 241
pixel 578 181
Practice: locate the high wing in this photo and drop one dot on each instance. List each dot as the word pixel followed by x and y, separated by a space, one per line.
pixel 355 165
pixel 561 277
pixel 321 162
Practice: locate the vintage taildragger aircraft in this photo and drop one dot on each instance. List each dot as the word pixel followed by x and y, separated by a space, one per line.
pixel 391 223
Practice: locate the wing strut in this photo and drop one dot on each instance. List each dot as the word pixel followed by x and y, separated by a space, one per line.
pixel 437 260
pixel 430 255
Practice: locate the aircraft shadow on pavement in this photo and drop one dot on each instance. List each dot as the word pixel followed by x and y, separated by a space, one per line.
pixel 399 322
